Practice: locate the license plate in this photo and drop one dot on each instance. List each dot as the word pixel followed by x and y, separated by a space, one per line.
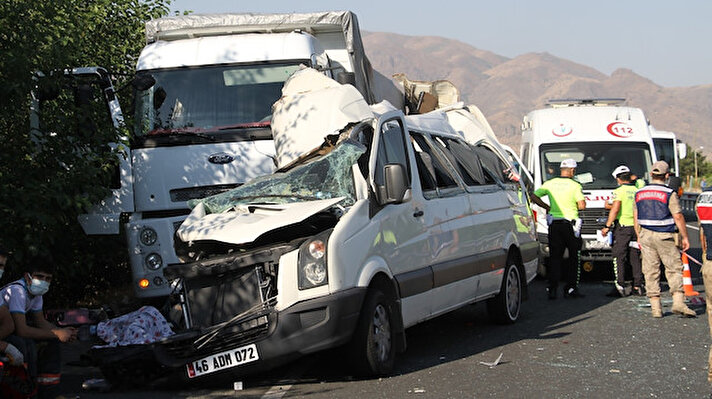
pixel 222 360
pixel 596 245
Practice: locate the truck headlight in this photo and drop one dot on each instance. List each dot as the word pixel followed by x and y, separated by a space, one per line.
pixel 148 236
pixel 312 262
pixel 154 261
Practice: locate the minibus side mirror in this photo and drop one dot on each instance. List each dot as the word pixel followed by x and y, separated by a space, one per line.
pixel 396 183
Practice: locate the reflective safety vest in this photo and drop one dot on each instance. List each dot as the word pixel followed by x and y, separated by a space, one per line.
pixel 653 203
pixel 704 215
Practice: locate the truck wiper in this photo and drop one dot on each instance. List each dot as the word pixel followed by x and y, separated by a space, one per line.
pixel 247 125
pixel 297 196
pixel 183 132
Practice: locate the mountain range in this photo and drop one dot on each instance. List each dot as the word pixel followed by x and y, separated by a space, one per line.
pixel 505 89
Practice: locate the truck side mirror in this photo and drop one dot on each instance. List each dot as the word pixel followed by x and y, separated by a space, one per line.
pixel 396 183
pixel 346 78
pixel 681 150
pixel 143 81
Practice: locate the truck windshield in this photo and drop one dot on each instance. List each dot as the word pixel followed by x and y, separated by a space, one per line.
pixel 328 176
pixel 215 98
pixel 596 161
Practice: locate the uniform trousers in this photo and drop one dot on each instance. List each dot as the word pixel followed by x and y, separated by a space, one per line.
pixel 561 237
pixel 623 252
pixel 655 247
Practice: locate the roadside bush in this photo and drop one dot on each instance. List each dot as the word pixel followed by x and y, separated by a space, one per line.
pixel 51 175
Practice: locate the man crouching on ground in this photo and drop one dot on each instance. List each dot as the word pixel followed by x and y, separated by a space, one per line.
pixel 34 336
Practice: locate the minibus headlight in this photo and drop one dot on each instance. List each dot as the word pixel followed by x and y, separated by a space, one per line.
pixel 312 269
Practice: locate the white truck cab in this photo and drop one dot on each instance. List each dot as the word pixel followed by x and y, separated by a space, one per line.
pixel 599 134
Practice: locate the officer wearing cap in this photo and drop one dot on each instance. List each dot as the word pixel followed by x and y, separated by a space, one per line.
pixel 565 200
pixel 620 220
pixel 656 213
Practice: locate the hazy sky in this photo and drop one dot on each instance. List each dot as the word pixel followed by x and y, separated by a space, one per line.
pixel 665 41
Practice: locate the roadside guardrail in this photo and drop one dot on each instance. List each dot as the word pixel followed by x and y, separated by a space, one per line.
pixel 687 203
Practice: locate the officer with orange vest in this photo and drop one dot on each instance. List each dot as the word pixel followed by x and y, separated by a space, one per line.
pixel 656 214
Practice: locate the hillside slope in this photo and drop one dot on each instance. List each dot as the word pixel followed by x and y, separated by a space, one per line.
pixel 506 89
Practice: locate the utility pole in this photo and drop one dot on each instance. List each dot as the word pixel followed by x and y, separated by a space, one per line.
pixel 699 149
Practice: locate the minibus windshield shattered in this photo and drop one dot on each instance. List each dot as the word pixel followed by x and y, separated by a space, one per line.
pixel 329 176
pixel 215 98
pixel 596 161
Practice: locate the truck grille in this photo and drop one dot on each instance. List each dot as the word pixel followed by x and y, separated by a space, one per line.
pixel 593 219
pixel 186 194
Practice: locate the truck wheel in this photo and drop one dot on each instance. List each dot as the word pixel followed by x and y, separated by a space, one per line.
pixel 374 338
pixel 504 308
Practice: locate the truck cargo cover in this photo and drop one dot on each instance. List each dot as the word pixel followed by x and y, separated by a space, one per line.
pixel 197 25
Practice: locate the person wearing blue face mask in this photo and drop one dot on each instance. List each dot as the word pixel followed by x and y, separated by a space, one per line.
pixel 36 338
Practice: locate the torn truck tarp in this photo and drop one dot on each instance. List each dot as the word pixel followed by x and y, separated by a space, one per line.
pixel 313 106
pixel 268 202
pixel 442 92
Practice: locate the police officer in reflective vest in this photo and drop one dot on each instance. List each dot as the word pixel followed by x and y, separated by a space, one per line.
pixel 656 214
pixel 620 221
pixel 704 217
pixel 566 199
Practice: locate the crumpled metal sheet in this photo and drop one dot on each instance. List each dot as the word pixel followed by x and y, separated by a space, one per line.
pixel 313 106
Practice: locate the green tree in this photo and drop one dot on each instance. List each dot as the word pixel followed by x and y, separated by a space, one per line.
pixel 43 188
pixel 687 165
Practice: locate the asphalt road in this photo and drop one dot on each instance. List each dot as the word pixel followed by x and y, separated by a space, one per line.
pixel 590 347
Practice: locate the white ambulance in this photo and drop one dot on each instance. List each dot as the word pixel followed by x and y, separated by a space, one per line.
pixel 600 134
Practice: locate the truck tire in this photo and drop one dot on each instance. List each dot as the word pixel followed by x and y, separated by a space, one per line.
pixel 373 344
pixel 504 308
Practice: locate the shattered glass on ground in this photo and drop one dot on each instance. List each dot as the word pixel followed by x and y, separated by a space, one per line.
pixel 329 176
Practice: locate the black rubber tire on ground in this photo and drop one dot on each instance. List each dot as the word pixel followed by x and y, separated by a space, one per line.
pixel 373 344
pixel 505 307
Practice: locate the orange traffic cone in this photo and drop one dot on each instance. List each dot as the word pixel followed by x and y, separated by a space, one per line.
pixel 687 277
